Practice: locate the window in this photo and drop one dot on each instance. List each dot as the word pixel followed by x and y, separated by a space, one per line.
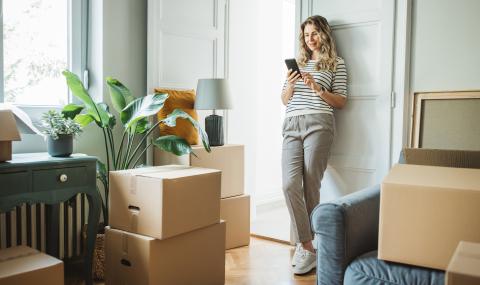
pixel 41 38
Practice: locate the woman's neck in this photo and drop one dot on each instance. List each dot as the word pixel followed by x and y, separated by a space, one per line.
pixel 315 55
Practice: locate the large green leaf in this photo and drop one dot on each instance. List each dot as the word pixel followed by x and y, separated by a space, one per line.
pixel 71 110
pixel 84 119
pixel 142 126
pixel 141 108
pixel 76 86
pixel 173 144
pixel 120 95
pixel 171 121
pixel 100 114
pixel 106 117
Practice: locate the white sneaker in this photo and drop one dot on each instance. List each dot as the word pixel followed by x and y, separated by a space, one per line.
pixel 306 263
pixel 298 254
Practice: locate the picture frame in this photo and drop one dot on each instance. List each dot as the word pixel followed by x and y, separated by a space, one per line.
pixel 446 120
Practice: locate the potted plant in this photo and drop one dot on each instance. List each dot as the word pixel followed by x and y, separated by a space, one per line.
pixel 134 114
pixel 60 128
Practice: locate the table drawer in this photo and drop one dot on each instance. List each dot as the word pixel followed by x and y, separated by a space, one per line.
pixel 59 178
pixel 14 183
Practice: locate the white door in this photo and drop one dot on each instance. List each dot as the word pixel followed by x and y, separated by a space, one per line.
pixel 364 33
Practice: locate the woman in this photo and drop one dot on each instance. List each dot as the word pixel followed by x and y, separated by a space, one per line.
pixel 308 129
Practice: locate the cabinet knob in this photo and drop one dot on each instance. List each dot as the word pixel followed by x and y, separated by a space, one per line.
pixel 63 178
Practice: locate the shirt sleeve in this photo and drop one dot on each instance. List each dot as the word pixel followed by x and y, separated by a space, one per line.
pixel 339 85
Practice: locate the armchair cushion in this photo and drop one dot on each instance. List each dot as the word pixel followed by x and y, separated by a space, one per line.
pixel 369 270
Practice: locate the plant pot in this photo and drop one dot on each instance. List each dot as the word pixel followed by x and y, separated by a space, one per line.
pixel 61 147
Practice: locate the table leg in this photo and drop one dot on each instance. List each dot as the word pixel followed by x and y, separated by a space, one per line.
pixel 94 206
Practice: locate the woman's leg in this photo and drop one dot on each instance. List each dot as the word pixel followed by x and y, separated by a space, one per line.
pixel 317 141
pixel 292 179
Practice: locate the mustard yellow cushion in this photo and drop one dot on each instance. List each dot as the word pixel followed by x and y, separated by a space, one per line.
pixel 179 99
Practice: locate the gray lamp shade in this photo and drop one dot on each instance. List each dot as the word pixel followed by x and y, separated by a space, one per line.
pixel 212 94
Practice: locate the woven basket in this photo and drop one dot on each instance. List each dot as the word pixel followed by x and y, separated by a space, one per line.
pixel 98 262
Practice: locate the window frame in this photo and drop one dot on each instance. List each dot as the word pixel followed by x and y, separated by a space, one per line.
pixel 77 53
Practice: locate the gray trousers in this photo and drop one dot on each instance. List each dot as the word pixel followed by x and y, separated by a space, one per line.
pixel 305 151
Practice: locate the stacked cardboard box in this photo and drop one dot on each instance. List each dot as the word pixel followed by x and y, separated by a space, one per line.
pixel 25 265
pixel 164 222
pixel 235 204
pixel 428 205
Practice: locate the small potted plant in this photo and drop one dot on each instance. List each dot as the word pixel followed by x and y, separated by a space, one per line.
pixel 59 131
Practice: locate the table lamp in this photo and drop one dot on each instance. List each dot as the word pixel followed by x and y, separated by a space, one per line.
pixel 8 133
pixel 213 94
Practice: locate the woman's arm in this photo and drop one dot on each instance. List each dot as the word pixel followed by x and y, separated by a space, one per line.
pixel 335 100
pixel 287 93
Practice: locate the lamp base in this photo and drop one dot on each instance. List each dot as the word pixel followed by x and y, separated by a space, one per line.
pixel 214 129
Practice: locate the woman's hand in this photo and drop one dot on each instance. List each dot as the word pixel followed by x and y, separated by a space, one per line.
pixel 292 77
pixel 310 82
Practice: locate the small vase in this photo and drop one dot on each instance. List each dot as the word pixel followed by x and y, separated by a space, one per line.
pixel 61 147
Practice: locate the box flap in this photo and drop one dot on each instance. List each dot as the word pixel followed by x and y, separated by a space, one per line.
pixel 9 127
pixel 434 176
pixel 21 259
pixel 442 157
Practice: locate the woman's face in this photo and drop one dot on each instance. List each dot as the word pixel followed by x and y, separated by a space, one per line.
pixel 311 37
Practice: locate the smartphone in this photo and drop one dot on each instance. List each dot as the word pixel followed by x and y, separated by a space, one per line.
pixel 292 64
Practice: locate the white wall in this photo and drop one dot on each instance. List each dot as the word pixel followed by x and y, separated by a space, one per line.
pixel 243 78
pixel 445 45
pixel 256 74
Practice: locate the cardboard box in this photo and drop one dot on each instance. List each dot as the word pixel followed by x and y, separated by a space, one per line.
pixel 236 212
pixel 425 211
pixel 442 157
pixel 227 158
pixel 164 201
pixel 8 133
pixel 196 257
pixel 464 267
pixel 25 265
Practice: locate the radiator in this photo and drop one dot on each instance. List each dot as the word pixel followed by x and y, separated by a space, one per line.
pixel 30 225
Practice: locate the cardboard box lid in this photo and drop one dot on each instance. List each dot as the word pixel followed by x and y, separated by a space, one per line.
pixel 466 260
pixel 442 157
pixel 9 131
pixel 21 259
pixel 434 176
pixel 166 171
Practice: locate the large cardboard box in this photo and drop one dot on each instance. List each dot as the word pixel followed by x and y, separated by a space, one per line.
pixel 25 265
pixel 236 212
pixel 196 257
pixel 425 211
pixel 164 201
pixel 464 267
pixel 227 158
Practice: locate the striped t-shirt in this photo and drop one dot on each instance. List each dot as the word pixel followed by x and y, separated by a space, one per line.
pixel 305 101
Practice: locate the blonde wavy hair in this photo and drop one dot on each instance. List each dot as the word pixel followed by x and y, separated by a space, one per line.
pixel 328 51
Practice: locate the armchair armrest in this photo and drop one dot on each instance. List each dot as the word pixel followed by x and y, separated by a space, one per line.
pixel 344 229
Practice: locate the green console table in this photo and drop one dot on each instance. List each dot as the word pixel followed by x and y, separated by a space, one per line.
pixel 34 178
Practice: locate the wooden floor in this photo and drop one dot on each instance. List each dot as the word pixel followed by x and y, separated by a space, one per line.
pixel 264 262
